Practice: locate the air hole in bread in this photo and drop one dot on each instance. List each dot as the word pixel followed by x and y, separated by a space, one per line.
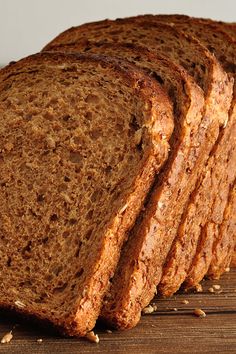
pixel 134 123
pixel 60 289
pixel 26 250
pixel 78 249
pixel 89 214
pixel 66 179
pixel 40 198
pixel 65 234
pixel 32 212
pixel 120 127
pixel 108 169
pixel 57 269
pixel 95 134
pixel 95 195
pixel 9 262
pixel 92 99
pixel 157 77
pixel 76 157
pixel 88 234
pixel 89 115
pixel 54 217
pixel 26 284
pixel 140 146
pixel 73 221
pixel 79 273
pixel 203 68
pixel 45 240
pixel 66 118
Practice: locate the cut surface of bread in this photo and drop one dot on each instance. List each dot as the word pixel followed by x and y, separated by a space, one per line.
pixel 142 258
pixel 207 245
pixel 178 176
pixel 230 224
pixel 81 140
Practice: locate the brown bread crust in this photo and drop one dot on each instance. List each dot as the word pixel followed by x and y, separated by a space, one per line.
pixel 140 267
pixel 211 35
pixel 215 242
pixel 229 28
pixel 101 257
pixel 224 244
pixel 232 218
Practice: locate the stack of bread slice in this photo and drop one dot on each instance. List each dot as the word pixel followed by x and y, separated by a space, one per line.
pixel 118 174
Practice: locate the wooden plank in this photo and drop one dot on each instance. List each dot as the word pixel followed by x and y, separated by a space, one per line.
pixel 165 331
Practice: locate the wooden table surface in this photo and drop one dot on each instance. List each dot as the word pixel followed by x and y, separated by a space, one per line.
pixel 171 329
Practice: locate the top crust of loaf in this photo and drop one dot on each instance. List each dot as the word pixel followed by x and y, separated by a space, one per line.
pixel 199 62
pixel 148 103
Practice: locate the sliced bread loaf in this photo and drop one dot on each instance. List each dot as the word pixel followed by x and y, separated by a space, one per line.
pixel 142 259
pixel 178 176
pixel 81 140
pixel 230 28
pixel 207 244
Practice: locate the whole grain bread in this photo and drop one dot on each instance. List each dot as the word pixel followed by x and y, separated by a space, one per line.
pixel 81 140
pixel 142 258
pixel 230 28
pixel 206 243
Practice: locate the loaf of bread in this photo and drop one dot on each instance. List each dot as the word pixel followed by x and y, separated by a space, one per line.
pixel 143 257
pixel 81 140
pixel 206 244
pixel 117 155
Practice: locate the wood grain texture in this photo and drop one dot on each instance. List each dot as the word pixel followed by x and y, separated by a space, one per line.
pixel 165 331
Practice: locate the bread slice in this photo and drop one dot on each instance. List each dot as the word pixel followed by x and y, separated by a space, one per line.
pixel 184 164
pixel 142 258
pixel 230 28
pixel 207 245
pixel 216 241
pixel 81 140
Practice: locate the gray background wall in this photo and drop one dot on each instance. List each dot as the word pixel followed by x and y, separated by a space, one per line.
pixel 27 25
